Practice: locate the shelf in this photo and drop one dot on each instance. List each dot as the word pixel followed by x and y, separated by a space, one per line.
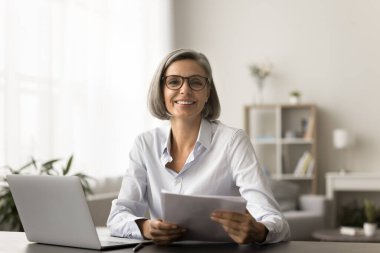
pixel 284 106
pixel 283 141
pixel 264 141
pixel 291 177
pixel 289 141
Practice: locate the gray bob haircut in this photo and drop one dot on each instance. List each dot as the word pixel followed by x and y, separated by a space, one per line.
pixel 156 103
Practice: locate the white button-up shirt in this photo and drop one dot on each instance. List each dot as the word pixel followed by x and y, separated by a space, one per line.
pixel 223 162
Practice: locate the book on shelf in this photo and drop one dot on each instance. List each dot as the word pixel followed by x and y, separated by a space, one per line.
pixel 305 165
pixel 309 133
pixel 310 168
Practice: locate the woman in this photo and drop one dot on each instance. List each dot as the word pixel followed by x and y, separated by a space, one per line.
pixel 196 154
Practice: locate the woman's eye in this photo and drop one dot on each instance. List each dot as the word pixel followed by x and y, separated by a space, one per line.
pixel 174 82
pixel 196 82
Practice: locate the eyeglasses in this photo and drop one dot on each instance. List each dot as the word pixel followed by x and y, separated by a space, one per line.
pixel 195 82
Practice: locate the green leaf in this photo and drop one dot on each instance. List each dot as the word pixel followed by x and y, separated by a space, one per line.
pixel 68 165
pixel 50 163
pixel 34 164
pixel 85 183
pixel 48 166
pixel 9 214
pixel 26 166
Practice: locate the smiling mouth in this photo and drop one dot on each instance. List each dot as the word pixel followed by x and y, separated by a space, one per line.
pixel 181 102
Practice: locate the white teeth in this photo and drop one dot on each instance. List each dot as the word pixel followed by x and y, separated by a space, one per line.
pixel 184 102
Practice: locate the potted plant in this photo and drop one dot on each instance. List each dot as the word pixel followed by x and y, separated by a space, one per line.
pixel 294 97
pixel 370 212
pixel 9 218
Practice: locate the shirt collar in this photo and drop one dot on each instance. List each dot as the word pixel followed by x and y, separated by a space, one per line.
pixel 205 134
pixel 204 138
pixel 165 145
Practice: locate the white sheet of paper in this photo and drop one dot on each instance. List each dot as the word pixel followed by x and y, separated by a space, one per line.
pixel 193 213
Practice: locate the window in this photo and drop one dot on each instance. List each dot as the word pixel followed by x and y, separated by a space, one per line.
pixel 74 76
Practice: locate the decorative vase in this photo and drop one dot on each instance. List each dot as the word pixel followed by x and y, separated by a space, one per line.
pixel 369 228
pixel 259 91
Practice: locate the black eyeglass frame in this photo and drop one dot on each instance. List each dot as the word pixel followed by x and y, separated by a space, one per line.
pixel 183 81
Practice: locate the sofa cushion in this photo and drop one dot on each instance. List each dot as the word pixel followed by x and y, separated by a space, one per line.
pixel 303 223
pixel 286 194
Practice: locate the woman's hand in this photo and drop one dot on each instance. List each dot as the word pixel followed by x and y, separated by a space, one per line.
pixel 160 232
pixel 242 228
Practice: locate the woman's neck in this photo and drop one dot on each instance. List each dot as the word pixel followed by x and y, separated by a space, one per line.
pixel 183 137
pixel 184 133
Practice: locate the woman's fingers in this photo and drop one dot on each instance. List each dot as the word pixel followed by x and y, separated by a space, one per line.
pixel 238 226
pixel 165 233
pixel 232 219
pixel 161 225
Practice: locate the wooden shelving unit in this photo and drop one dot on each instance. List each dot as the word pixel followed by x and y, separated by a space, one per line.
pixel 281 135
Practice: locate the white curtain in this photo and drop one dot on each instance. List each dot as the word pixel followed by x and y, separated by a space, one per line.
pixel 74 76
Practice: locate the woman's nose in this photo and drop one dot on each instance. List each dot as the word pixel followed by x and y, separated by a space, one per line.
pixel 185 87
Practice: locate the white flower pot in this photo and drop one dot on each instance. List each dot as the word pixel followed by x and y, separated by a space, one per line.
pixel 369 228
pixel 294 100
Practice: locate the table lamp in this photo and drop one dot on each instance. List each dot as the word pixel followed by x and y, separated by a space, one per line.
pixel 341 143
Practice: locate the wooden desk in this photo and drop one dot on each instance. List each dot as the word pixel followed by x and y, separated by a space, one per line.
pixel 16 242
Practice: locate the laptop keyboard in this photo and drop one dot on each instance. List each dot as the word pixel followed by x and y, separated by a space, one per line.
pixel 110 243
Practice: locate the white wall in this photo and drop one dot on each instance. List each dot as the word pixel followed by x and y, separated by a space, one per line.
pixel 328 49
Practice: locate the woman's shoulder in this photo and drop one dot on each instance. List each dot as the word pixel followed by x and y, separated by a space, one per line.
pixel 220 126
pixel 221 129
pixel 156 134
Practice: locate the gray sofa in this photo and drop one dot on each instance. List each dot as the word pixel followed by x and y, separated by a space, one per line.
pixel 310 216
pixel 105 191
pixel 100 206
pixel 304 213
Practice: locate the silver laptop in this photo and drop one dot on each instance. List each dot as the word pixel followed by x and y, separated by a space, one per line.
pixel 54 210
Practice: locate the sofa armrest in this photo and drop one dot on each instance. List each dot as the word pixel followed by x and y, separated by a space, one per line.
pixel 313 203
pixel 100 207
pixel 310 217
